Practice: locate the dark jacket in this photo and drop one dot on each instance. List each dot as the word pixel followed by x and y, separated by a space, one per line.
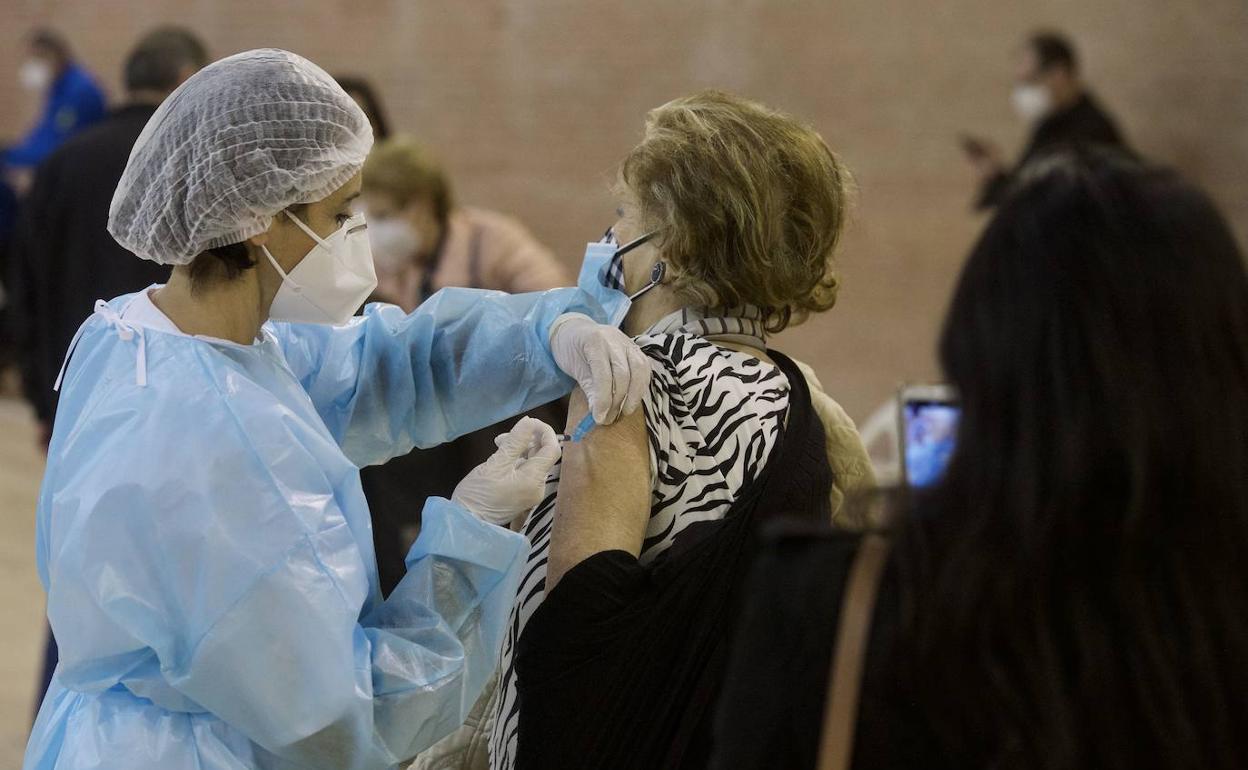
pixel 771 712
pixel 63 257
pixel 1084 124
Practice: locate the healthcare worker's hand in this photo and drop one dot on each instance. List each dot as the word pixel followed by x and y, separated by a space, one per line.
pixel 512 480
pixel 608 366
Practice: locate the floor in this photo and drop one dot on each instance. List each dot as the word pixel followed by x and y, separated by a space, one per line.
pixel 21 596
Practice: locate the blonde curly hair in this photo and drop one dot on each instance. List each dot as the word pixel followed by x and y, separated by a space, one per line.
pixel 749 204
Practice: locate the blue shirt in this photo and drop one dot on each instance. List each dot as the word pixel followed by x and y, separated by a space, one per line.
pixel 74 102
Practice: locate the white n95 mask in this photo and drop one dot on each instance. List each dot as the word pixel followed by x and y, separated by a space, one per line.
pixel 331 282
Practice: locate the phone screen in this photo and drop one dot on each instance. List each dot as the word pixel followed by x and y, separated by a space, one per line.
pixel 931 431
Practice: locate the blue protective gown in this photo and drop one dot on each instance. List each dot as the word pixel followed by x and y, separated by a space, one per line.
pixel 207 550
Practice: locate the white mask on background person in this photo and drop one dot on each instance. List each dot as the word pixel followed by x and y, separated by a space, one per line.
pixel 35 75
pixel 1032 102
pixel 395 243
pixel 331 282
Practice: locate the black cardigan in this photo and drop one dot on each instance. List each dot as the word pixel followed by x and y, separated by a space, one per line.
pixel 621 666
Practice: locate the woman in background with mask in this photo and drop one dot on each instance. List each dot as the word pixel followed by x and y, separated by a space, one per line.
pixel 202 534
pixel 422 242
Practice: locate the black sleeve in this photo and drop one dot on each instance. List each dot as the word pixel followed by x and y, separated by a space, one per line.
pixel 993 191
pixel 34 243
pixel 771 710
pixel 1110 134
pixel 588 609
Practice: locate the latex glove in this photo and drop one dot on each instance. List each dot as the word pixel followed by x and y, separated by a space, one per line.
pixel 512 480
pixel 608 366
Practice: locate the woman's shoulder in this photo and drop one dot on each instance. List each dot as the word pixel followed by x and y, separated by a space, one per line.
pixel 708 402
pixel 695 362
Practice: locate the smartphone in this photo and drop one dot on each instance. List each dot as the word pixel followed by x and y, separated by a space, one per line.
pixel 928 432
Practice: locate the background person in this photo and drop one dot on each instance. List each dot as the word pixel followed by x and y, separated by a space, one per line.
pixel 65 257
pixel 73 99
pixel 362 91
pixel 423 241
pixel 1073 592
pixel 1050 95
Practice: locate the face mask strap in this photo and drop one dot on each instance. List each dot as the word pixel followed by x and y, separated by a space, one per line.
pixel 634 243
pixel 657 274
pixel 285 276
pixel 305 228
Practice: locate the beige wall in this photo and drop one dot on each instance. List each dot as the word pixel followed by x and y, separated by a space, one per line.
pixel 531 102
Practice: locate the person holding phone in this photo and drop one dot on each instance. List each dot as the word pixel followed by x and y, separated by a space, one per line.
pixel 1072 592
pixel 1051 97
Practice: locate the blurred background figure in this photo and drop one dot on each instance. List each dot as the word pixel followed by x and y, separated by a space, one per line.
pixel 422 241
pixel 73 100
pixel 1071 594
pixel 362 92
pixel 1050 95
pixel 63 257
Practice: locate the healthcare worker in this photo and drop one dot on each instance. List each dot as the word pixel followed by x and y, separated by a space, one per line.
pixel 202 534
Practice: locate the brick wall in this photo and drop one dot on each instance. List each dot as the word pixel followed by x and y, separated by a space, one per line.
pixel 531 102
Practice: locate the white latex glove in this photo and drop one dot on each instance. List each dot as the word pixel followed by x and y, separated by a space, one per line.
pixel 608 366
pixel 512 480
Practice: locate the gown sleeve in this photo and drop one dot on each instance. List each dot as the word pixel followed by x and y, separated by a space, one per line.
pixel 292 668
pixel 465 359
pixel 251 599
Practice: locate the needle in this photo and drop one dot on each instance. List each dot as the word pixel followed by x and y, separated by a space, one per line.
pixel 582 428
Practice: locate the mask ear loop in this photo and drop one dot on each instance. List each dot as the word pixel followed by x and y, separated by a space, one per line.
pixel 318 239
pixel 294 286
pixel 657 274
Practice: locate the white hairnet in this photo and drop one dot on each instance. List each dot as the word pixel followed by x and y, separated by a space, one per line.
pixel 241 140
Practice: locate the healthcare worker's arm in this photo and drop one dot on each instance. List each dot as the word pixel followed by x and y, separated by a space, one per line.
pixel 243 566
pixel 465 359
pixel 290 666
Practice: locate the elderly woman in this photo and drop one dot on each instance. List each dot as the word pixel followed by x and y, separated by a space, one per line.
pixel 729 215
pixel 202 533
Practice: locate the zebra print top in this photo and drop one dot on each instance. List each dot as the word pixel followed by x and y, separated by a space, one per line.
pixel 713 417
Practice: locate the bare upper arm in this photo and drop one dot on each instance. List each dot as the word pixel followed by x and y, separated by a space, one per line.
pixel 604 492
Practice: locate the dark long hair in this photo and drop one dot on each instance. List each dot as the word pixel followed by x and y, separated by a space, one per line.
pixel 1078 584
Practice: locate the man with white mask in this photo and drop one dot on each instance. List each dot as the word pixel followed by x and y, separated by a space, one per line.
pixel 202 533
pixel 1050 96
